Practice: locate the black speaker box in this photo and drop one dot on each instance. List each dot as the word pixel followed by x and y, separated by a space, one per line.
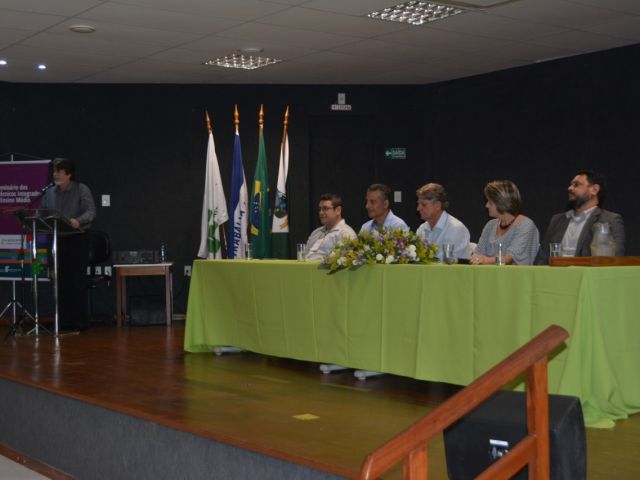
pixel 146 310
pixel 479 439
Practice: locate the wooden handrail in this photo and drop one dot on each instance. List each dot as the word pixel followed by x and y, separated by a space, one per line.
pixel 411 444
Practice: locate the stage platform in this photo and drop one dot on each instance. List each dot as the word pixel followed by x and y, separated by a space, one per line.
pixel 130 403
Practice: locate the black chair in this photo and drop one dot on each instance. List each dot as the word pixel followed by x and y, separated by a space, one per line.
pixel 99 254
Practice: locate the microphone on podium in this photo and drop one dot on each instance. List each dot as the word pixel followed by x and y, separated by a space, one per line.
pixel 52 184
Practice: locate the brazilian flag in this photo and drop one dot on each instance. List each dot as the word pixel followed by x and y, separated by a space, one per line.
pixel 260 231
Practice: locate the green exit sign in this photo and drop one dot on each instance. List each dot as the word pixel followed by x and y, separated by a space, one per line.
pixel 395 153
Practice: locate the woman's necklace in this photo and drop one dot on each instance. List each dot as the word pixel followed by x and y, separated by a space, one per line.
pixel 507 225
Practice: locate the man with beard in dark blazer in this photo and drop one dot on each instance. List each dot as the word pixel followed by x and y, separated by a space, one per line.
pixel 573 229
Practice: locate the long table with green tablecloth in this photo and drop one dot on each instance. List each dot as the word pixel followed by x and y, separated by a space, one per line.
pixel 445 323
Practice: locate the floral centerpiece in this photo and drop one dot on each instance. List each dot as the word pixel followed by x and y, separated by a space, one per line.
pixel 380 246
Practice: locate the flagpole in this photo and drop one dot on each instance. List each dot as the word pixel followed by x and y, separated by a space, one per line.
pixel 236 121
pixel 214 204
pixel 284 130
pixel 210 130
pixel 239 197
pixel 208 121
pixel 260 214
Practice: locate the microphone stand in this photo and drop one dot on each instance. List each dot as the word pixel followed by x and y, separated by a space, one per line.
pixel 14 303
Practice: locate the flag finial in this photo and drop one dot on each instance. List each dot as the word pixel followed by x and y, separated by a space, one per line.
pixel 286 117
pixel 236 117
pixel 261 116
pixel 208 120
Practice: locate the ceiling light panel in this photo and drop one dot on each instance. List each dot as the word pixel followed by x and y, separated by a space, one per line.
pixel 244 62
pixel 415 12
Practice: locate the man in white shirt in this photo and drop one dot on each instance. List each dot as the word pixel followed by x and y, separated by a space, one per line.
pixel 333 229
pixel 572 229
pixel 378 198
pixel 440 227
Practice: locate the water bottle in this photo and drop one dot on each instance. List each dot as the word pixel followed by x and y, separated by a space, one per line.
pixel 163 252
pixel 500 254
pixel 602 244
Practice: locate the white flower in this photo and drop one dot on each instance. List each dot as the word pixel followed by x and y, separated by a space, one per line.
pixel 366 248
pixel 379 258
pixel 342 261
pixel 390 259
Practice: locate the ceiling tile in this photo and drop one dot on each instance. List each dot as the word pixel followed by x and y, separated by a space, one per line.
pixel 57 7
pixel 427 37
pixel 494 26
pixel 628 6
pixel 555 12
pixel 581 41
pixel 133 15
pixel 256 33
pixel 215 46
pixel 231 9
pixel 528 52
pixel 351 7
pixel 149 71
pixel 123 35
pixel 27 21
pixel 394 51
pixel 327 22
pixel 628 27
pixel 54 41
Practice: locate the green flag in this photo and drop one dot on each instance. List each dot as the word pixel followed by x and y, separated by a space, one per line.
pixel 260 214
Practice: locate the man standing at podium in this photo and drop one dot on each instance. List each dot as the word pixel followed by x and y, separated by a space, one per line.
pixel 75 202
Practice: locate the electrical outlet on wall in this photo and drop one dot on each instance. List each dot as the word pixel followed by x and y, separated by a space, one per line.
pixel 187 270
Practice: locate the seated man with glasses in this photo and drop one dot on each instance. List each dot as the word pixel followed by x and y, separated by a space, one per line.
pixel 333 229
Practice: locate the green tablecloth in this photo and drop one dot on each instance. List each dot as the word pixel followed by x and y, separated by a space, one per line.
pixel 435 322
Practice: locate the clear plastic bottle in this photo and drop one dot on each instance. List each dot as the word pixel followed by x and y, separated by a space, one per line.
pixel 500 254
pixel 163 252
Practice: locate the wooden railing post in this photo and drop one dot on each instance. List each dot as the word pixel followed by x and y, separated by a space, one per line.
pixel 538 418
pixel 411 445
pixel 416 465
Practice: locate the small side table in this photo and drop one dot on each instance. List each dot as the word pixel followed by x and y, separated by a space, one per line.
pixel 142 270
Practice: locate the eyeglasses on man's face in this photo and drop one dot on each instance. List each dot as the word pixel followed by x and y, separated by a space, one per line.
pixel 325 208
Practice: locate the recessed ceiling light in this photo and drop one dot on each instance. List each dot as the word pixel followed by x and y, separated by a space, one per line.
pixel 244 62
pixel 415 12
pixel 82 28
pixel 3 61
pixel 42 66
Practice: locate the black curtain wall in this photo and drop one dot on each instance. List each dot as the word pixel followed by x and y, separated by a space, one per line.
pixel 145 144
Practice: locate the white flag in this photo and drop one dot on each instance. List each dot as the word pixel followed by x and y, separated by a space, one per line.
pixel 281 214
pixel 214 206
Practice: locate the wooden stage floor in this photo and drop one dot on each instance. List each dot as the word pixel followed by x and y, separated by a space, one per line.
pixel 278 407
